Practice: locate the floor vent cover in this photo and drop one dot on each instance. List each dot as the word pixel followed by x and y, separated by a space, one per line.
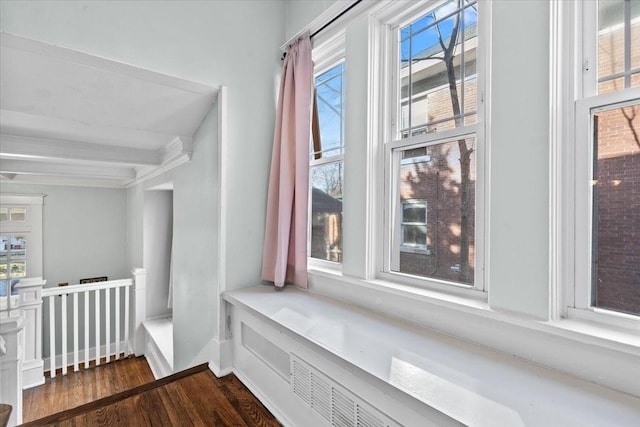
pixel 333 402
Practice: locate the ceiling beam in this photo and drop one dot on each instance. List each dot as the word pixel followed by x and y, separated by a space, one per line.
pixel 12 146
pixel 25 167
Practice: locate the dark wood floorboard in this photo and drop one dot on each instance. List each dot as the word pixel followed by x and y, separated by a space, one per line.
pixel 191 398
pixel 77 388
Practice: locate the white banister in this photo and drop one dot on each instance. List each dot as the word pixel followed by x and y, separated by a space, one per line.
pixel 101 317
pixel 76 362
pixel 30 304
pixel 128 349
pixel 86 332
pixel 117 312
pixel 63 331
pixel 140 278
pixel 97 323
pixel 107 324
pixel 52 337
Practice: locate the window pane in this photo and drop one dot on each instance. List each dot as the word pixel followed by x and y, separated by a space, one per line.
pixel 18 268
pixel 437 69
pixel 635 34
pixel 446 185
pixel 326 211
pixel 4 248
pixel 618 44
pixel 616 210
pixel 330 100
pixel 613 85
pixel 3 270
pixel 18 247
pixel 610 37
pixel 414 212
pixel 414 235
pixel 18 214
pixel 4 214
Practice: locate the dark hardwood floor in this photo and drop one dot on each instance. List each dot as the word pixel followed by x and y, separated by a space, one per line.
pixel 124 396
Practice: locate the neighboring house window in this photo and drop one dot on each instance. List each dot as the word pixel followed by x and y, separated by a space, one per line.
pixel 414 226
pixel 436 132
pixel 327 166
pixel 607 152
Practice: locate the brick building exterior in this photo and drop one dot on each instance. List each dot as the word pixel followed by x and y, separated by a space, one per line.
pixel 617 210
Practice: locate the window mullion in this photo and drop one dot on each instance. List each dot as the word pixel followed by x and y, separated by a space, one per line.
pixel 627 44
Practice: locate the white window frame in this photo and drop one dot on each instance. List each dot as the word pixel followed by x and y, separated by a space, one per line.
pixel 574 257
pixel 31 228
pixel 325 56
pixel 394 17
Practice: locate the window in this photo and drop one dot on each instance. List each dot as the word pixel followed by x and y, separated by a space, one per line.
pixel 326 166
pixel 607 210
pixel 20 241
pixel 431 152
pixel 413 226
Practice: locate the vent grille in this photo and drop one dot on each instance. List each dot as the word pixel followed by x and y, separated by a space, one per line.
pixel 338 406
pixel 301 382
pixel 321 397
pixel 366 418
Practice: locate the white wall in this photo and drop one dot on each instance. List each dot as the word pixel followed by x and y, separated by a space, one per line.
pixel 158 234
pixel 84 232
pixel 301 12
pixel 235 43
pixel 519 163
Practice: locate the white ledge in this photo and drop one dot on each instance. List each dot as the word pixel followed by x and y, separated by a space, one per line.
pixel 467 382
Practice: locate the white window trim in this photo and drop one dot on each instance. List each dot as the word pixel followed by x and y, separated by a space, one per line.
pixel 574 90
pixel 329 53
pixel 31 227
pixel 584 194
pixel 388 17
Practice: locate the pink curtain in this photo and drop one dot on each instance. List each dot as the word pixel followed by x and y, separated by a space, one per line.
pixel 284 257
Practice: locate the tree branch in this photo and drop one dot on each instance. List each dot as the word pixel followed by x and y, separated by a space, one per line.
pixel 630 119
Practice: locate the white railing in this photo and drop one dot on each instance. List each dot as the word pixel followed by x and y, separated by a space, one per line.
pixel 100 312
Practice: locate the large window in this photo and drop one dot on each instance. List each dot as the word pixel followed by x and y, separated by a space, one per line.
pixel 326 162
pixel 608 162
pixel 432 149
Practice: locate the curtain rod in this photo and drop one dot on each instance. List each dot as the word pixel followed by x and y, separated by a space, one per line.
pixel 334 19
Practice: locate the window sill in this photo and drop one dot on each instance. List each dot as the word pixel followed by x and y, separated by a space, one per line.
pixel 607 329
pixel 466 382
pixel 415 250
pixel 582 348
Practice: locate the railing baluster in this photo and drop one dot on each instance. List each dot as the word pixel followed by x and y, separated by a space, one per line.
pixel 127 291
pixel 97 317
pixel 63 312
pixel 52 336
pixel 117 323
pixel 75 334
pixel 107 324
pixel 86 329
